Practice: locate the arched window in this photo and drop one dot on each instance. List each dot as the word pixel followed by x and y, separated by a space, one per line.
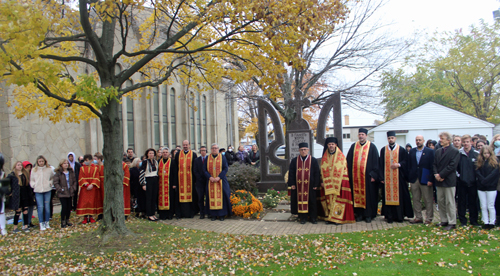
pixel 191 117
pixel 164 98
pixel 172 116
pixel 130 118
pixel 204 119
pixel 198 120
pixel 156 117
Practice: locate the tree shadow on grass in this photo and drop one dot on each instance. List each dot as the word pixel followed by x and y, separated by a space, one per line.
pixel 90 242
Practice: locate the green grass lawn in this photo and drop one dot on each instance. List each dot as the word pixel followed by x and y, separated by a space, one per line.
pixel 159 249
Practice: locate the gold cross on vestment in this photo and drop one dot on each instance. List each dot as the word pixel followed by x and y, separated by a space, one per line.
pixel 299 181
pixel 299 169
pixel 306 181
pixel 305 193
pixel 307 169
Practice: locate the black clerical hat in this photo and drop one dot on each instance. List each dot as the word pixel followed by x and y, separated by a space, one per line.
pixel 391 133
pixel 331 140
pixel 303 145
pixel 363 130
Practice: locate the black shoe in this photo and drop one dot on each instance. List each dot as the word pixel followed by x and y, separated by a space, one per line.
pixel 368 220
pixel 213 218
pixel 202 216
pixel 302 222
pixel 442 224
pixel 221 218
pixel 390 221
pixel 314 221
pixel 69 223
pixel 63 225
pixel 358 219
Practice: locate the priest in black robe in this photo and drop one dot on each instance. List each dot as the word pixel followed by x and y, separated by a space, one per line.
pixel 187 206
pixel 393 168
pixel 304 180
pixel 167 179
pixel 362 163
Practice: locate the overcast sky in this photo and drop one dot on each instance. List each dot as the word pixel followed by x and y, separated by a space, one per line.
pixel 410 16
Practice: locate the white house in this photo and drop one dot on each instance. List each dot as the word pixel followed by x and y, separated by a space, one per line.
pixel 429 120
pixel 349 134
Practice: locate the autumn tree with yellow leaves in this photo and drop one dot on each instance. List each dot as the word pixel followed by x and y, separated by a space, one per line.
pixel 346 58
pixel 61 56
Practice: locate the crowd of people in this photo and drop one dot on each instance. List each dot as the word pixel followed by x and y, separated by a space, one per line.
pixel 460 173
pixel 160 185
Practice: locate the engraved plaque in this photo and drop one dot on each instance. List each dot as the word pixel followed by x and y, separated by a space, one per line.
pixel 294 139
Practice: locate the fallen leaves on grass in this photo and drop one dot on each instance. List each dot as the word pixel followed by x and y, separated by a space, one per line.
pixel 165 249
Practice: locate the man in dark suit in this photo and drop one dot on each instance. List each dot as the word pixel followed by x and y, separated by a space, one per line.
pixel 445 166
pixel 201 181
pixel 421 180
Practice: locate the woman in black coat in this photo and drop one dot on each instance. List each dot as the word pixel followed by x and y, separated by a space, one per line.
pixel 21 195
pixel 488 174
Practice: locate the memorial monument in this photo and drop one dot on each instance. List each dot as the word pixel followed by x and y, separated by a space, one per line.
pixel 298 131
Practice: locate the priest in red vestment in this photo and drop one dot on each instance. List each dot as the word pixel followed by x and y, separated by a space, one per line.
pixel 168 193
pixel 89 183
pixel 362 163
pixel 304 180
pixel 336 198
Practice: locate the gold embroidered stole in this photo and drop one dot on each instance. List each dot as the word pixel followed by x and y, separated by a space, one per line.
pixel 214 167
pixel 359 172
pixel 391 176
pixel 185 176
pixel 333 173
pixel 164 183
pixel 303 182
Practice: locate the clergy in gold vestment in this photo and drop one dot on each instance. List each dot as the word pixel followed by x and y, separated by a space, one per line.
pixel 186 181
pixel 218 191
pixel 396 200
pixel 336 197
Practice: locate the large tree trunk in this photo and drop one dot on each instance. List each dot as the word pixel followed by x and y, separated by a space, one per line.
pixel 113 224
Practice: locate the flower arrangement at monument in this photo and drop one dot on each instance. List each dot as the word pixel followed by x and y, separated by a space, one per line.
pixel 245 204
pixel 272 198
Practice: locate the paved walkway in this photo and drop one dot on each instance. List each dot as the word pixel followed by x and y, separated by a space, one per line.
pixel 252 227
pixel 239 226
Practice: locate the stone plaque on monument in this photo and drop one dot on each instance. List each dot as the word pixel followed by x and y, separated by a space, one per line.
pixel 295 138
